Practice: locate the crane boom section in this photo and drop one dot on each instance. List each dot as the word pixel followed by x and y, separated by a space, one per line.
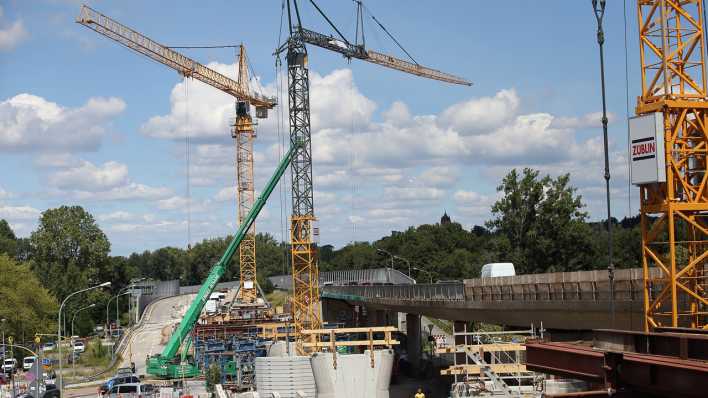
pixel 166 56
pixel 218 270
pixel 358 51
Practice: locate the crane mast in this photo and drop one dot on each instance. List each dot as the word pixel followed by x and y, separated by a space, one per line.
pixel 244 134
pixel 674 209
pixel 243 130
pixel 305 303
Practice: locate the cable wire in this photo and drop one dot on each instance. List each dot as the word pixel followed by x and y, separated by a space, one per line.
pixel 626 92
pixel 187 158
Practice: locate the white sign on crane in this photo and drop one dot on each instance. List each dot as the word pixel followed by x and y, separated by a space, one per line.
pixel 646 134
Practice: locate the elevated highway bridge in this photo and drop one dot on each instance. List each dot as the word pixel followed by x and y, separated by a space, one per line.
pixel 560 301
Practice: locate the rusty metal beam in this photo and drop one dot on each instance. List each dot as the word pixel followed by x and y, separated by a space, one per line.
pixel 625 372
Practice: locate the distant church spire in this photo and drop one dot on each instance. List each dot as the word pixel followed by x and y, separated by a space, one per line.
pixel 445 219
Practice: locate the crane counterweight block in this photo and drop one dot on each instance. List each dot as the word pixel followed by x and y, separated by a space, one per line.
pixel 166 364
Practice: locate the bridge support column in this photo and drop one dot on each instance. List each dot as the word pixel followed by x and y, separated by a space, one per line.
pixel 460 339
pixel 413 337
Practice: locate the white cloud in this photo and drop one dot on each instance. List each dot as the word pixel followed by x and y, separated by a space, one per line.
pixel 130 191
pixel 83 180
pixel 31 123
pixel 593 119
pixel 479 115
pixel 439 176
pixel 88 177
pixel 336 101
pixel 116 216
pixel 19 213
pixel 227 194
pixel 12 35
pixel 413 193
pixel 204 112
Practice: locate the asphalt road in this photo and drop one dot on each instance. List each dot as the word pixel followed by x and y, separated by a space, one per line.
pixel 146 339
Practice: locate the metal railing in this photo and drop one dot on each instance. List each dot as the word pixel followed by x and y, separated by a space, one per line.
pixel 419 292
pixel 591 286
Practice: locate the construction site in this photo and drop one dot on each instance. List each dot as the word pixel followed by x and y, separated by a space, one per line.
pixel 639 331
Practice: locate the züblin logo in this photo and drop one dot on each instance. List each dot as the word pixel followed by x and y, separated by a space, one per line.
pixel 643 148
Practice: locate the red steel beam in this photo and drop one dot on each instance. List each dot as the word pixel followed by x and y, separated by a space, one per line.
pixel 620 371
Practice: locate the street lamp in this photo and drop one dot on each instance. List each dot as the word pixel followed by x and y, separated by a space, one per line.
pixel 61 307
pixel 74 317
pixel 430 274
pixel 2 323
pixel 407 262
pixel 393 256
pixel 599 10
pixel 73 360
pixel 108 322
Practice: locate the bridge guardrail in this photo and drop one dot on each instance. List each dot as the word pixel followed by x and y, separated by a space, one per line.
pixel 590 286
pixel 419 292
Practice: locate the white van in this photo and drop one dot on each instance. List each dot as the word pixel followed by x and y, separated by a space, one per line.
pixel 494 270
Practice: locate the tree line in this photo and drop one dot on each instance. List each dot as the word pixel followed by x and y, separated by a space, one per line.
pixel 539 224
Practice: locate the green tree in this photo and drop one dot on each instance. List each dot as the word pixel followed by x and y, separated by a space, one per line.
pixel 8 240
pixel 27 306
pixel 68 250
pixel 213 377
pixel 543 221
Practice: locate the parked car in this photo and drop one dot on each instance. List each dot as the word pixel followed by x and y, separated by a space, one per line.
pixel 48 346
pixel 51 391
pixel 79 346
pixel 9 365
pixel 122 372
pixel 27 362
pixel 116 381
pixel 132 390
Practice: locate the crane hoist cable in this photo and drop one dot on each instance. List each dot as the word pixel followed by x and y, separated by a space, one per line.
pixel 627 107
pixel 366 9
pixel 187 158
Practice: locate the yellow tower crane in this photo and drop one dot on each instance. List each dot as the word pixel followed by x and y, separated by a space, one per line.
pixel 242 130
pixel 669 143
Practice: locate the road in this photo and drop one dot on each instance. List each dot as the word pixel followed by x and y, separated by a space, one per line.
pixel 146 340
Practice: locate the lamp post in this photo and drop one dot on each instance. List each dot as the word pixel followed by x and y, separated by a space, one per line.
pixel 61 307
pixel 599 10
pixel 75 313
pixel 407 262
pixel 108 321
pixel 2 323
pixel 73 360
pixel 386 253
pixel 430 274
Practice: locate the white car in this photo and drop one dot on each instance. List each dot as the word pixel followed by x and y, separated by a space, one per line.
pixel 27 362
pixel 79 346
pixel 9 365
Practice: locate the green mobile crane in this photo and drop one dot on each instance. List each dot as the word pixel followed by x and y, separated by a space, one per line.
pixel 168 364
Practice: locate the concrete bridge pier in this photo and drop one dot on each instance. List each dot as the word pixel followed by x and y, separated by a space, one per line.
pixel 414 346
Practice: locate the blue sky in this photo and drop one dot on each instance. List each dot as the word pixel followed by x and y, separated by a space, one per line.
pixel 85 121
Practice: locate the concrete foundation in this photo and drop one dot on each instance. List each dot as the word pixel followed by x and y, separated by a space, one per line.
pixel 353 377
pixel 286 376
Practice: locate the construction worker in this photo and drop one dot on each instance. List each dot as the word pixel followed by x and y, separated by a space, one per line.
pixel 420 394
